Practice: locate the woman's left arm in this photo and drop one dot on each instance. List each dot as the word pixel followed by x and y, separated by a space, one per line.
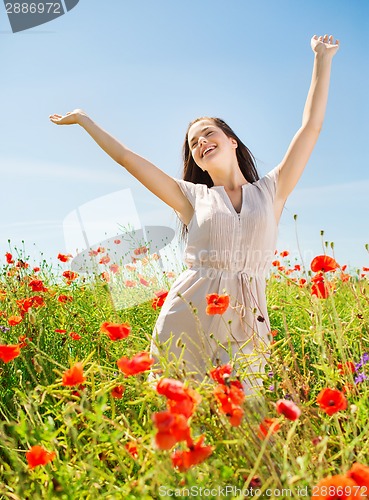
pixel 302 145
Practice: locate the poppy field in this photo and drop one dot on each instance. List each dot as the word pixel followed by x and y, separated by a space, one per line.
pixel 79 417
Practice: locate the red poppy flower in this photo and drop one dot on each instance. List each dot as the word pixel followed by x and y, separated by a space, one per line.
pixel 117 391
pixel 93 253
pixel 14 320
pixel 276 263
pixel 255 482
pixel 347 367
pixel 114 268
pixel 143 281
pixel 23 341
pixel 288 408
pixel 37 286
pixel 36 269
pixel 24 305
pixel 229 395
pixel 229 398
pixel 131 447
pixel 197 453
pixel 75 336
pixel 58 330
pixel 130 284
pixel 37 455
pixel 140 250
pixel 221 373
pixel 73 376
pixel 172 428
pixel 268 424
pixel 115 331
pixel 336 487
pixel 37 301
pixel 21 264
pixel 345 277
pixel 171 388
pixel 323 263
pixel 187 405
pixel 297 267
pixel 180 399
pixel 117 242
pixel 64 258
pixel 360 474
pixel 141 362
pixel 9 352
pixel 105 276
pixel 9 258
pixel 284 253
pixel 65 298
pixel 104 260
pixel 321 289
pixel 160 299
pixel 70 276
pixel 236 415
pixel 217 304
pixel 331 401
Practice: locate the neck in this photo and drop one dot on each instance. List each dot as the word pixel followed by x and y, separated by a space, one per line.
pixel 231 178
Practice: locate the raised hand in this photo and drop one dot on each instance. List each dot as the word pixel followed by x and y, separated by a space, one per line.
pixel 324 45
pixel 70 118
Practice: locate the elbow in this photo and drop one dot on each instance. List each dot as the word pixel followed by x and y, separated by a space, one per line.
pixel 313 127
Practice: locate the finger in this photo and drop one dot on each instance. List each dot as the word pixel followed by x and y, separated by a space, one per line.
pixel 325 37
pixel 320 38
pixel 331 39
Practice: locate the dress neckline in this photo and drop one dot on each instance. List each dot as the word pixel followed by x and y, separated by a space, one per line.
pixel 229 202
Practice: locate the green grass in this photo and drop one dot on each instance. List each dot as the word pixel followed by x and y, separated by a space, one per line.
pixel 88 431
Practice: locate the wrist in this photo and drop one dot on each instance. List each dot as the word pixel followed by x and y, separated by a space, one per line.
pixel 82 119
pixel 323 56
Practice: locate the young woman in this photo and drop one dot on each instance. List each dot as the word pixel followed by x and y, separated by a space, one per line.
pixel 230 218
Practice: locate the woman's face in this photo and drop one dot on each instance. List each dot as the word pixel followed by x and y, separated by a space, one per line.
pixel 209 145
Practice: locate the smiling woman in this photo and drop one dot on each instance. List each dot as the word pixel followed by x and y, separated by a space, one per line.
pixel 230 220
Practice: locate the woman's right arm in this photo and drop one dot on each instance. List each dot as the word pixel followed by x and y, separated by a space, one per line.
pixel 157 181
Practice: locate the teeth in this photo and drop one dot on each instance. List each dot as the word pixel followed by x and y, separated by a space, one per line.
pixel 208 149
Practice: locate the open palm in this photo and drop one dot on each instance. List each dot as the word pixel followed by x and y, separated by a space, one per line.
pixel 70 118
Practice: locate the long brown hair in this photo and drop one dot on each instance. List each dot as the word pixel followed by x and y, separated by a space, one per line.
pixel 193 173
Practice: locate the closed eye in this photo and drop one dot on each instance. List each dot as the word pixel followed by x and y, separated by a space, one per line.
pixel 194 144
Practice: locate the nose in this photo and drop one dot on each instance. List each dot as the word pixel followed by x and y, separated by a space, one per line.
pixel 201 140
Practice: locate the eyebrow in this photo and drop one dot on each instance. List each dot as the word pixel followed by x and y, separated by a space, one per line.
pixel 202 130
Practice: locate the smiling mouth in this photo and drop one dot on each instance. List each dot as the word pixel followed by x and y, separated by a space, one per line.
pixel 208 150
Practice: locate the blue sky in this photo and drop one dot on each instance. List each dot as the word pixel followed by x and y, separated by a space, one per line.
pixel 143 70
